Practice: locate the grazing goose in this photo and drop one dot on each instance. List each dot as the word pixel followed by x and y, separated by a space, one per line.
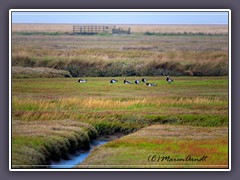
pixel 144 80
pixel 151 84
pixel 113 81
pixel 169 80
pixel 137 82
pixel 82 80
pixel 126 82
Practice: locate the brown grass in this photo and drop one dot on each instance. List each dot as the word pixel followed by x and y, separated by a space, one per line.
pixel 92 103
pixel 160 132
pixel 38 72
pixel 207 29
pixel 124 55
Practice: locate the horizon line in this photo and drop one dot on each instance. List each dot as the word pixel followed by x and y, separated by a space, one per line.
pixel 121 23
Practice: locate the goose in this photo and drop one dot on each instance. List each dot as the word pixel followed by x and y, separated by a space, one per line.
pixel 151 84
pixel 113 81
pixel 169 80
pixel 137 82
pixel 82 80
pixel 126 82
pixel 144 80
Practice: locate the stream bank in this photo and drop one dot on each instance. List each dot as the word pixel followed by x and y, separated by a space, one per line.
pixel 80 155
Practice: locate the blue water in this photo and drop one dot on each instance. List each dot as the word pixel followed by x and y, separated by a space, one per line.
pixel 77 158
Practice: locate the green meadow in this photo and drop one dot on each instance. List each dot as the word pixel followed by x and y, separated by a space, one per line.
pixel 52 117
pixel 164 146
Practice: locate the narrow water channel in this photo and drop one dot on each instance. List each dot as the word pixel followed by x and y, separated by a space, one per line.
pixel 77 158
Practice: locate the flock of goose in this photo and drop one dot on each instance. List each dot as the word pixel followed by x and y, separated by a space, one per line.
pixel 144 80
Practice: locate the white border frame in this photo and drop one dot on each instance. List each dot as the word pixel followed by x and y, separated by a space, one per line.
pixel 120 10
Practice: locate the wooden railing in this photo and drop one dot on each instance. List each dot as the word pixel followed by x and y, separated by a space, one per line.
pixel 90 30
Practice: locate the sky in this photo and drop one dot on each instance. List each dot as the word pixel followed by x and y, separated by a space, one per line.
pixel 77 17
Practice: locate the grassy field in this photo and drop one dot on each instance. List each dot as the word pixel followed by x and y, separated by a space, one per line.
pixel 141 54
pixel 164 146
pixel 183 124
pixel 54 107
pixel 63 28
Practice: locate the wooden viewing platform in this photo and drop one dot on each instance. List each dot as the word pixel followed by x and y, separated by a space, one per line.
pixel 91 30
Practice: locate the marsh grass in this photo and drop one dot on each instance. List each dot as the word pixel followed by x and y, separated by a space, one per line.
pixel 35 143
pixel 132 151
pixel 118 106
pixel 124 55
pixel 93 104
pixel 38 72
pixel 54 117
